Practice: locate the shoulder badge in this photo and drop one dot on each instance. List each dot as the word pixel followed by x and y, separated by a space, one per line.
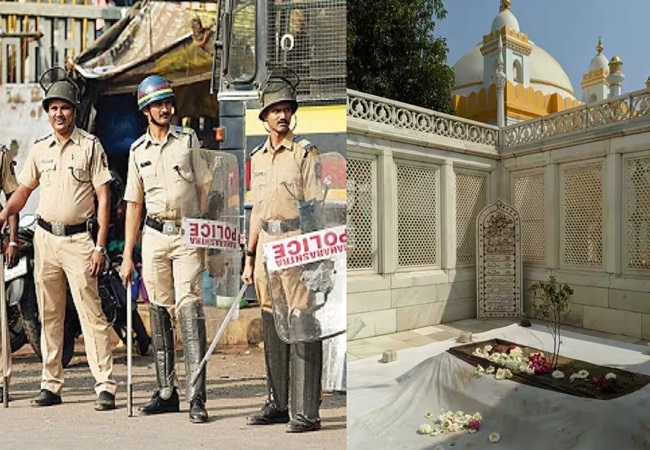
pixel 42 138
pixel 304 143
pixel 86 134
pixel 189 132
pixel 258 147
pixel 137 142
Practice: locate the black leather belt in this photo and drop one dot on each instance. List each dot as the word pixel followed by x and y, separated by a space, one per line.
pixel 169 227
pixel 280 226
pixel 59 229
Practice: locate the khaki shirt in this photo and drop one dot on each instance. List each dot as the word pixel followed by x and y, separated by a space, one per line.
pixel 68 174
pixel 279 177
pixel 167 176
pixel 8 180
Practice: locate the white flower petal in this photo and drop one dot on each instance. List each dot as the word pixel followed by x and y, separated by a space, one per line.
pixel 494 437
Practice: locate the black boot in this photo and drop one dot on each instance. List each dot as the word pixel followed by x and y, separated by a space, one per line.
pixel 165 399
pixel 276 353
pixel 192 323
pixel 306 372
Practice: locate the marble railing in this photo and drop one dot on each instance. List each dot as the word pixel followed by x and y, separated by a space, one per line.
pixel 408 117
pixel 614 110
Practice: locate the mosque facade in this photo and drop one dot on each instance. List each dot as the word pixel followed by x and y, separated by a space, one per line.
pixel 536 84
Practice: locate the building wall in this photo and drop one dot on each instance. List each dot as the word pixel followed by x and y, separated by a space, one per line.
pixel 580 180
pixel 410 231
pixel 23 121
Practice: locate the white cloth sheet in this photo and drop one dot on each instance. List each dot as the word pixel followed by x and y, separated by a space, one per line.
pixel 387 402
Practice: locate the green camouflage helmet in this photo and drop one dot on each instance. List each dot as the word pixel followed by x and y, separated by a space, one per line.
pixel 62 90
pixel 274 91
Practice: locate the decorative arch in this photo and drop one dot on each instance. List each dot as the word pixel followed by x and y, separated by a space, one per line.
pixel 517 71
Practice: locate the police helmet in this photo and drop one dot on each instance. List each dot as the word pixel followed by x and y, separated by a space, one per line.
pixel 277 89
pixel 152 89
pixel 59 86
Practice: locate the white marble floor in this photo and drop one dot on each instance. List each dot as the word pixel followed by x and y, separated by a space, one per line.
pixel 375 346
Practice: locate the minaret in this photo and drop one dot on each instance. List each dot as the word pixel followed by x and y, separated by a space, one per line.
pixel 616 77
pixel 594 83
pixel 500 78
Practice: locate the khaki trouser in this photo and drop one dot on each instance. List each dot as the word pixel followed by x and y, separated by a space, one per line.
pixel 169 266
pixel 288 292
pixel 58 258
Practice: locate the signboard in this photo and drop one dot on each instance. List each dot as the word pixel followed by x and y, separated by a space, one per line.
pixel 498 265
pixel 210 234
pixel 329 243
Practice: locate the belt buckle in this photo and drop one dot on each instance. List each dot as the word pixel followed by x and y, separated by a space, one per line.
pixel 169 227
pixel 275 226
pixel 58 229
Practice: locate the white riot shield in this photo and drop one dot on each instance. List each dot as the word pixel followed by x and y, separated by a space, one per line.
pixel 307 272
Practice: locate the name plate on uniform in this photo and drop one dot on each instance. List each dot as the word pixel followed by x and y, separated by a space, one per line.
pixel 16 271
pixel 210 234
pixel 329 243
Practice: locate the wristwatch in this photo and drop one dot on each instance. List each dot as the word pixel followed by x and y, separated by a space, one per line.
pixel 101 250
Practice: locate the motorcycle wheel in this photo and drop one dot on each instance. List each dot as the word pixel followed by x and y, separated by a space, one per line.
pixel 17 336
pixel 141 335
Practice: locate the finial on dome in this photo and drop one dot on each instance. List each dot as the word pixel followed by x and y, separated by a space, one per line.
pixel 505 4
pixel 615 65
pixel 599 47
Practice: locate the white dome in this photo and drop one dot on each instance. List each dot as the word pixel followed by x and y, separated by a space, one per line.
pixel 542 66
pixel 505 18
pixel 600 61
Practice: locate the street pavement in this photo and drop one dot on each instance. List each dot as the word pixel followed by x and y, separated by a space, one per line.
pixel 236 388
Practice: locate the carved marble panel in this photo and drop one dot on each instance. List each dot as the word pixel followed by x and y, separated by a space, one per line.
pixel 498 265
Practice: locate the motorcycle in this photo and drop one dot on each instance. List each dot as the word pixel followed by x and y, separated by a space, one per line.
pixel 23 314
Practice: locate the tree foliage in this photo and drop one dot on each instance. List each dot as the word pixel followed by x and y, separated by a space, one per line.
pixel 393 53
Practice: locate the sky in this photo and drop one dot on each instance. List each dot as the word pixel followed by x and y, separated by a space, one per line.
pixel 567 29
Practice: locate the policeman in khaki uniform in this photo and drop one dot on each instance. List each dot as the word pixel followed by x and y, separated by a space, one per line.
pixel 9 185
pixel 71 167
pixel 284 168
pixel 168 176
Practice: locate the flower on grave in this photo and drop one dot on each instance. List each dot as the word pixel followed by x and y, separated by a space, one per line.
pixel 494 437
pixel 581 375
pixel 503 374
pixel 557 374
pixel 607 385
pixel 452 422
pixel 479 371
pixel 539 364
pixel 610 376
pixel 489 370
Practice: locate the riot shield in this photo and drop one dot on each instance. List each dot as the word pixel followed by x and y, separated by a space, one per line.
pixel 306 269
pixel 215 230
pixel 209 230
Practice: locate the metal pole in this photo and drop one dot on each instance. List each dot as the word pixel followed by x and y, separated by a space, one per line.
pixel 234 309
pixel 129 350
pixel 5 331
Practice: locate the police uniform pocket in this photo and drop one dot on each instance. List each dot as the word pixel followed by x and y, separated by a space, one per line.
pixel 183 173
pixel 47 177
pixel 80 172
